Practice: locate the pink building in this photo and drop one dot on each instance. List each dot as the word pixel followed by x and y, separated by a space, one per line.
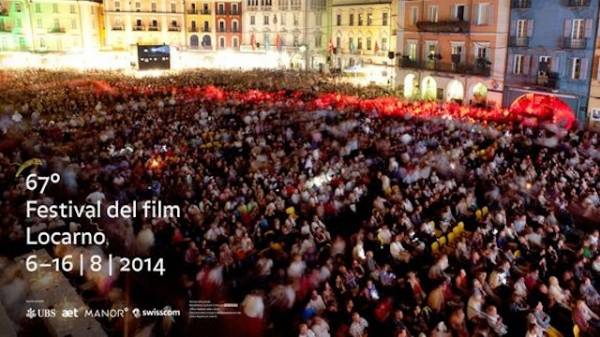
pixel 453 49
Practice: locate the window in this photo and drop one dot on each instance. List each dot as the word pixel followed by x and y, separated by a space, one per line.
pixel 296 20
pixel 153 6
pixel 544 63
pixel 369 19
pixel 578 31
pixel 39 23
pixel 72 9
pixel 359 43
pixel 318 41
pixel 173 7
pixel 252 20
pixel 283 18
pixel 235 42
pixel 521 28
pixel 412 50
pixel 222 42
pixel 54 8
pixel 18 7
pixel 221 9
pixel 234 10
pixel 38 8
pixel 518 65
pixel 56 24
pixel 350 44
pixel 384 19
pixel 73 24
pixel 460 12
pixel 368 43
pixel 483 13
pixel 481 52
pixel 117 6
pixel 577 69
pixel 138 7
pixel 42 42
pixel 338 20
pixel 433 13
pixel 318 19
pixel 360 19
pixel 221 26
pixel 414 15
pixel 351 20
pixel 384 44
pixel 338 42
pixel 235 26
pixel 266 20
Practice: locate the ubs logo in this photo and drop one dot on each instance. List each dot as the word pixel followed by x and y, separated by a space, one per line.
pixel 40 313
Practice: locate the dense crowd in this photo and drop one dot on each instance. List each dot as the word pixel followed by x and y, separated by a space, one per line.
pixel 319 223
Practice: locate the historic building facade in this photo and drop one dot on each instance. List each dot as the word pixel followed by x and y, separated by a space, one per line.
pixel 453 49
pixel 550 51
pixel 199 24
pixel 144 22
pixel 50 25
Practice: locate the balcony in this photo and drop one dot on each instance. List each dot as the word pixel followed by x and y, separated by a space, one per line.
pixel 570 43
pixel 205 12
pixel 138 28
pixel 154 28
pixel 206 29
pixel 543 81
pixel 521 4
pixel 455 68
pixel 223 12
pixel 235 30
pixel 57 30
pixel 174 28
pixel 192 11
pixel 578 3
pixel 117 28
pixel 235 12
pixel 519 41
pixel 193 29
pixel 443 26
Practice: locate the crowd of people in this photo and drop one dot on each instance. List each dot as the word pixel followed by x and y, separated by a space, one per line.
pixel 328 222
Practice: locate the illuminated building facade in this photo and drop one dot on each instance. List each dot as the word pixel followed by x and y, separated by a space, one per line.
pixel 50 25
pixel 363 35
pixel 453 49
pixel 294 27
pixel 550 51
pixel 200 24
pixel 228 23
pixel 144 22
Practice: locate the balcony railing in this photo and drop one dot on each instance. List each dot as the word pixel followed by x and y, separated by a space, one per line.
pixel 545 82
pixel 205 12
pixel 138 28
pixel 174 28
pixel 154 28
pixel 578 3
pixel 117 28
pixel 193 29
pixel 521 4
pixel 519 41
pixel 221 12
pixel 443 26
pixel 234 12
pixel 192 11
pixel 455 68
pixel 222 30
pixel 235 30
pixel 570 43
pixel 59 30
pixel 206 29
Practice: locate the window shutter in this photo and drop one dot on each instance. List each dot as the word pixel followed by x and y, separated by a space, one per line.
pixel 453 12
pixel 477 19
pixel 589 25
pixel 555 62
pixel 490 14
pixel 584 68
pixel 511 64
pixel 529 28
pixel 513 28
pixel 567 28
pixel 526 64
pixel 467 16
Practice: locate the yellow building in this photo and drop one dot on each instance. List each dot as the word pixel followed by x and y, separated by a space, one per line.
pixel 364 35
pixel 144 22
pixel 200 19
pixel 51 25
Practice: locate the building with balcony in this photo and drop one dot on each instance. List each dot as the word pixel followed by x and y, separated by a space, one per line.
pixel 200 24
pixel 453 50
pixel 50 25
pixel 293 29
pixel 551 46
pixel 144 22
pixel 364 37
pixel 228 24
pixel 593 117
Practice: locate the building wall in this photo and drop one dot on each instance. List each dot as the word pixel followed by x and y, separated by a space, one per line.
pixel 144 22
pixel 475 32
pixel 51 25
pixel 200 27
pixel 548 30
pixel 228 24
pixel 594 101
